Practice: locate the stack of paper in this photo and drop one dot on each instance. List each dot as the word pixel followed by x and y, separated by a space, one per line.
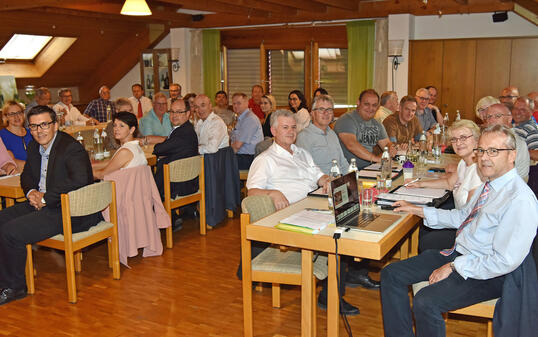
pixel 306 221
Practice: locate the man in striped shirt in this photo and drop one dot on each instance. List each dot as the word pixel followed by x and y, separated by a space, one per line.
pixel 526 127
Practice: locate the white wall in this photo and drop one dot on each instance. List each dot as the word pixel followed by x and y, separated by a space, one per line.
pixel 455 26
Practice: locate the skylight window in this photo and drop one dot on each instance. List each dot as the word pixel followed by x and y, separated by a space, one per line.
pixel 24 47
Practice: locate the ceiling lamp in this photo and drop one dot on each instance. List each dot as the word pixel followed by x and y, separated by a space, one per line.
pixel 135 7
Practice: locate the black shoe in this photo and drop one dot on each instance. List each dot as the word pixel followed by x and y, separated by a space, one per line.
pixel 347 309
pixel 178 225
pixel 355 280
pixel 7 295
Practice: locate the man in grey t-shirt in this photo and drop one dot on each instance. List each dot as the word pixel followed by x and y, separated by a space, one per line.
pixel 359 132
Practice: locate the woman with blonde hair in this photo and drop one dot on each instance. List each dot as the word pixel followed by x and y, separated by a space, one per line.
pixel 268 106
pixel 15 136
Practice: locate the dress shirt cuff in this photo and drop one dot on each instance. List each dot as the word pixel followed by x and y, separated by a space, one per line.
pixel 33 189
pixel 430 216
pixel 459 265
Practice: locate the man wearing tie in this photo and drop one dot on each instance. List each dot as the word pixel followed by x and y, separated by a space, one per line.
pixel 495 232
pixel 141 104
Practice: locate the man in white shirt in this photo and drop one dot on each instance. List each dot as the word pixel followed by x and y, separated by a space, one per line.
pixel 70 114
pixel 210 128
pixel 141 104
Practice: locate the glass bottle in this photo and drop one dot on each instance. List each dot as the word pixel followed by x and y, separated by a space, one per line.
pixel 353 168
pixel 80 139
pixel 436 149
pixel 334 173
pixel 386 168
pixel 98 145
pixel 458 116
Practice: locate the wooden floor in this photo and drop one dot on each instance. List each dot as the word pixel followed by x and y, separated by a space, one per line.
pixel 190 290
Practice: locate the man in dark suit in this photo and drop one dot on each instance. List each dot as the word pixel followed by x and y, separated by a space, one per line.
pixel 181 143
pixel 56 164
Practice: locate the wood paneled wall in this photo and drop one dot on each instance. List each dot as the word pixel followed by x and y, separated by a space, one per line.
pixel 465 70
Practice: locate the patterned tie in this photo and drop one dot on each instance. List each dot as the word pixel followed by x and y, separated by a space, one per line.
pixel 479 204
pixel 139 109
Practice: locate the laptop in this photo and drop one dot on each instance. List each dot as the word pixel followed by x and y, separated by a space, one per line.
pixel 347 208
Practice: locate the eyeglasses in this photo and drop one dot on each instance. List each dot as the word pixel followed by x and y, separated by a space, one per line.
pixel 43 126
pixel 13 114
pixel 158 103
pixel 177 112
pixel 423 98
pixel 325 111
pixel 501 97
pixel 496 116
pixel 492 152
pixel 462 139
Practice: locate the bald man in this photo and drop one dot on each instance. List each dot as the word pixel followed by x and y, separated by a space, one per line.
pixel 211 130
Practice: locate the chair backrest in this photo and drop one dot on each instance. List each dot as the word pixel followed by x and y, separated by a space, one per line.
pixel 90 198
pixel 258 206
pixel 184 169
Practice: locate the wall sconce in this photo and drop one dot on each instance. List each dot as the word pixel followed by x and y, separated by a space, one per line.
pixel 395 51
pixel 174 58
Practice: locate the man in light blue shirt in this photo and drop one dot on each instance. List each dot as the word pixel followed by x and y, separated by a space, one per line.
pixel 424 114
pixel 247 132
pixel 156 122
pixel 495 233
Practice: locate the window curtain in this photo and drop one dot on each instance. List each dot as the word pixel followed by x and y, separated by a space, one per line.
pixel 360 57
pixel 211 61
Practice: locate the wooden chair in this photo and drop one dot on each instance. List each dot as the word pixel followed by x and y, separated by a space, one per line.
pixel 84 201
pixel 274 265
pixel 179 171
pixel 483 309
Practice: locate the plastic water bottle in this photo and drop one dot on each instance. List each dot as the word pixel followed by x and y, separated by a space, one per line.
pixel 353 168
pixel 386 168
pixel 436 149
pixel 98 145
pixel 335 171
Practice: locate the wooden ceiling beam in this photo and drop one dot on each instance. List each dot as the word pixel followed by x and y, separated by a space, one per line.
pixel 305 5
pixel 352 5
pixel 159 13
pixel 218 7
pixel 263 5
pixel 530 5
pixel 9 5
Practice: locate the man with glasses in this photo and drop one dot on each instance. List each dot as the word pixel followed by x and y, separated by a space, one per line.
pixel 498 114
pixel 210 128
pixel 157 121
pixel 495 232
pixel 424 114
pixel 70 114
pixel 509 96
pixel 56 164
pixel 404 126
pixel 180 143
pixel 526 127
pixel 101 108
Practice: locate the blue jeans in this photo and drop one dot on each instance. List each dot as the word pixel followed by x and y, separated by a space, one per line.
pixel 429 303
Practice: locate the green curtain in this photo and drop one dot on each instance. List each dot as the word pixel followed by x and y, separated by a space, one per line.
pixel 211 61
pixel 360 57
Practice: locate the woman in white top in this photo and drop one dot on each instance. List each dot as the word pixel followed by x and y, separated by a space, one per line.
pixel 297 103
pixel 129 154
pixel 463 183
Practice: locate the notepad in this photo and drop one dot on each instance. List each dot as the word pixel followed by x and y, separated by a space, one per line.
pixel 424 192
pixel 389 198
pixel 306 221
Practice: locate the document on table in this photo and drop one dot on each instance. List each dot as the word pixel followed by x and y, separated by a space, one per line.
pixel 307 221
pixel 423 192
pixel 389 198
pixel 377 167
pixel 9 176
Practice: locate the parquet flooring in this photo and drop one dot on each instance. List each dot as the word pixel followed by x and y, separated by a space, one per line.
pixel 190 290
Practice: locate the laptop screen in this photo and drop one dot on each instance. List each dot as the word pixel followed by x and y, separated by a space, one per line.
pixel 345 197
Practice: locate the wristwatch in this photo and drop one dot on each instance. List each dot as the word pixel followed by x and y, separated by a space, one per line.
pixel 453 267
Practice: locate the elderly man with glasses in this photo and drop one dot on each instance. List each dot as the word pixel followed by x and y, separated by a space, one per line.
pixel 498 114
pixel 56 164
pixel 495 232
pixel 424 114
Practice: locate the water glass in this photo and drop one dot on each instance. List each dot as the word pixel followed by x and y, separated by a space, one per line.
pixel 367 198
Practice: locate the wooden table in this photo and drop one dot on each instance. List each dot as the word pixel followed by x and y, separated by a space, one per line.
pixel 353 243
pixel 74 129
pixel 10 188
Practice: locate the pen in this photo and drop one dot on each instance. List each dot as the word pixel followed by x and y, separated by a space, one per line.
pixel 412 181
pixel 317 210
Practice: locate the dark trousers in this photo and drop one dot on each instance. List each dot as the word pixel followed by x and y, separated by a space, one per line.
pixel 244 161
pixel 452 293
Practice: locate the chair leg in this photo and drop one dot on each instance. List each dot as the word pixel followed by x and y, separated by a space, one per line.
pixel 314 306
pixel 113 247
pixel 70 272
pixel 78 261
pixel 276 295
pixel 109 248
pixel 169 241
pixel 202 217
pixel 490 328
pixel 230 213
pixel 29 270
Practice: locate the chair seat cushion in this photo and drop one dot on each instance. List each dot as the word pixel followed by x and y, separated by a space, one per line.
pixel 420 285
pixel 274 260
pixel 101 226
